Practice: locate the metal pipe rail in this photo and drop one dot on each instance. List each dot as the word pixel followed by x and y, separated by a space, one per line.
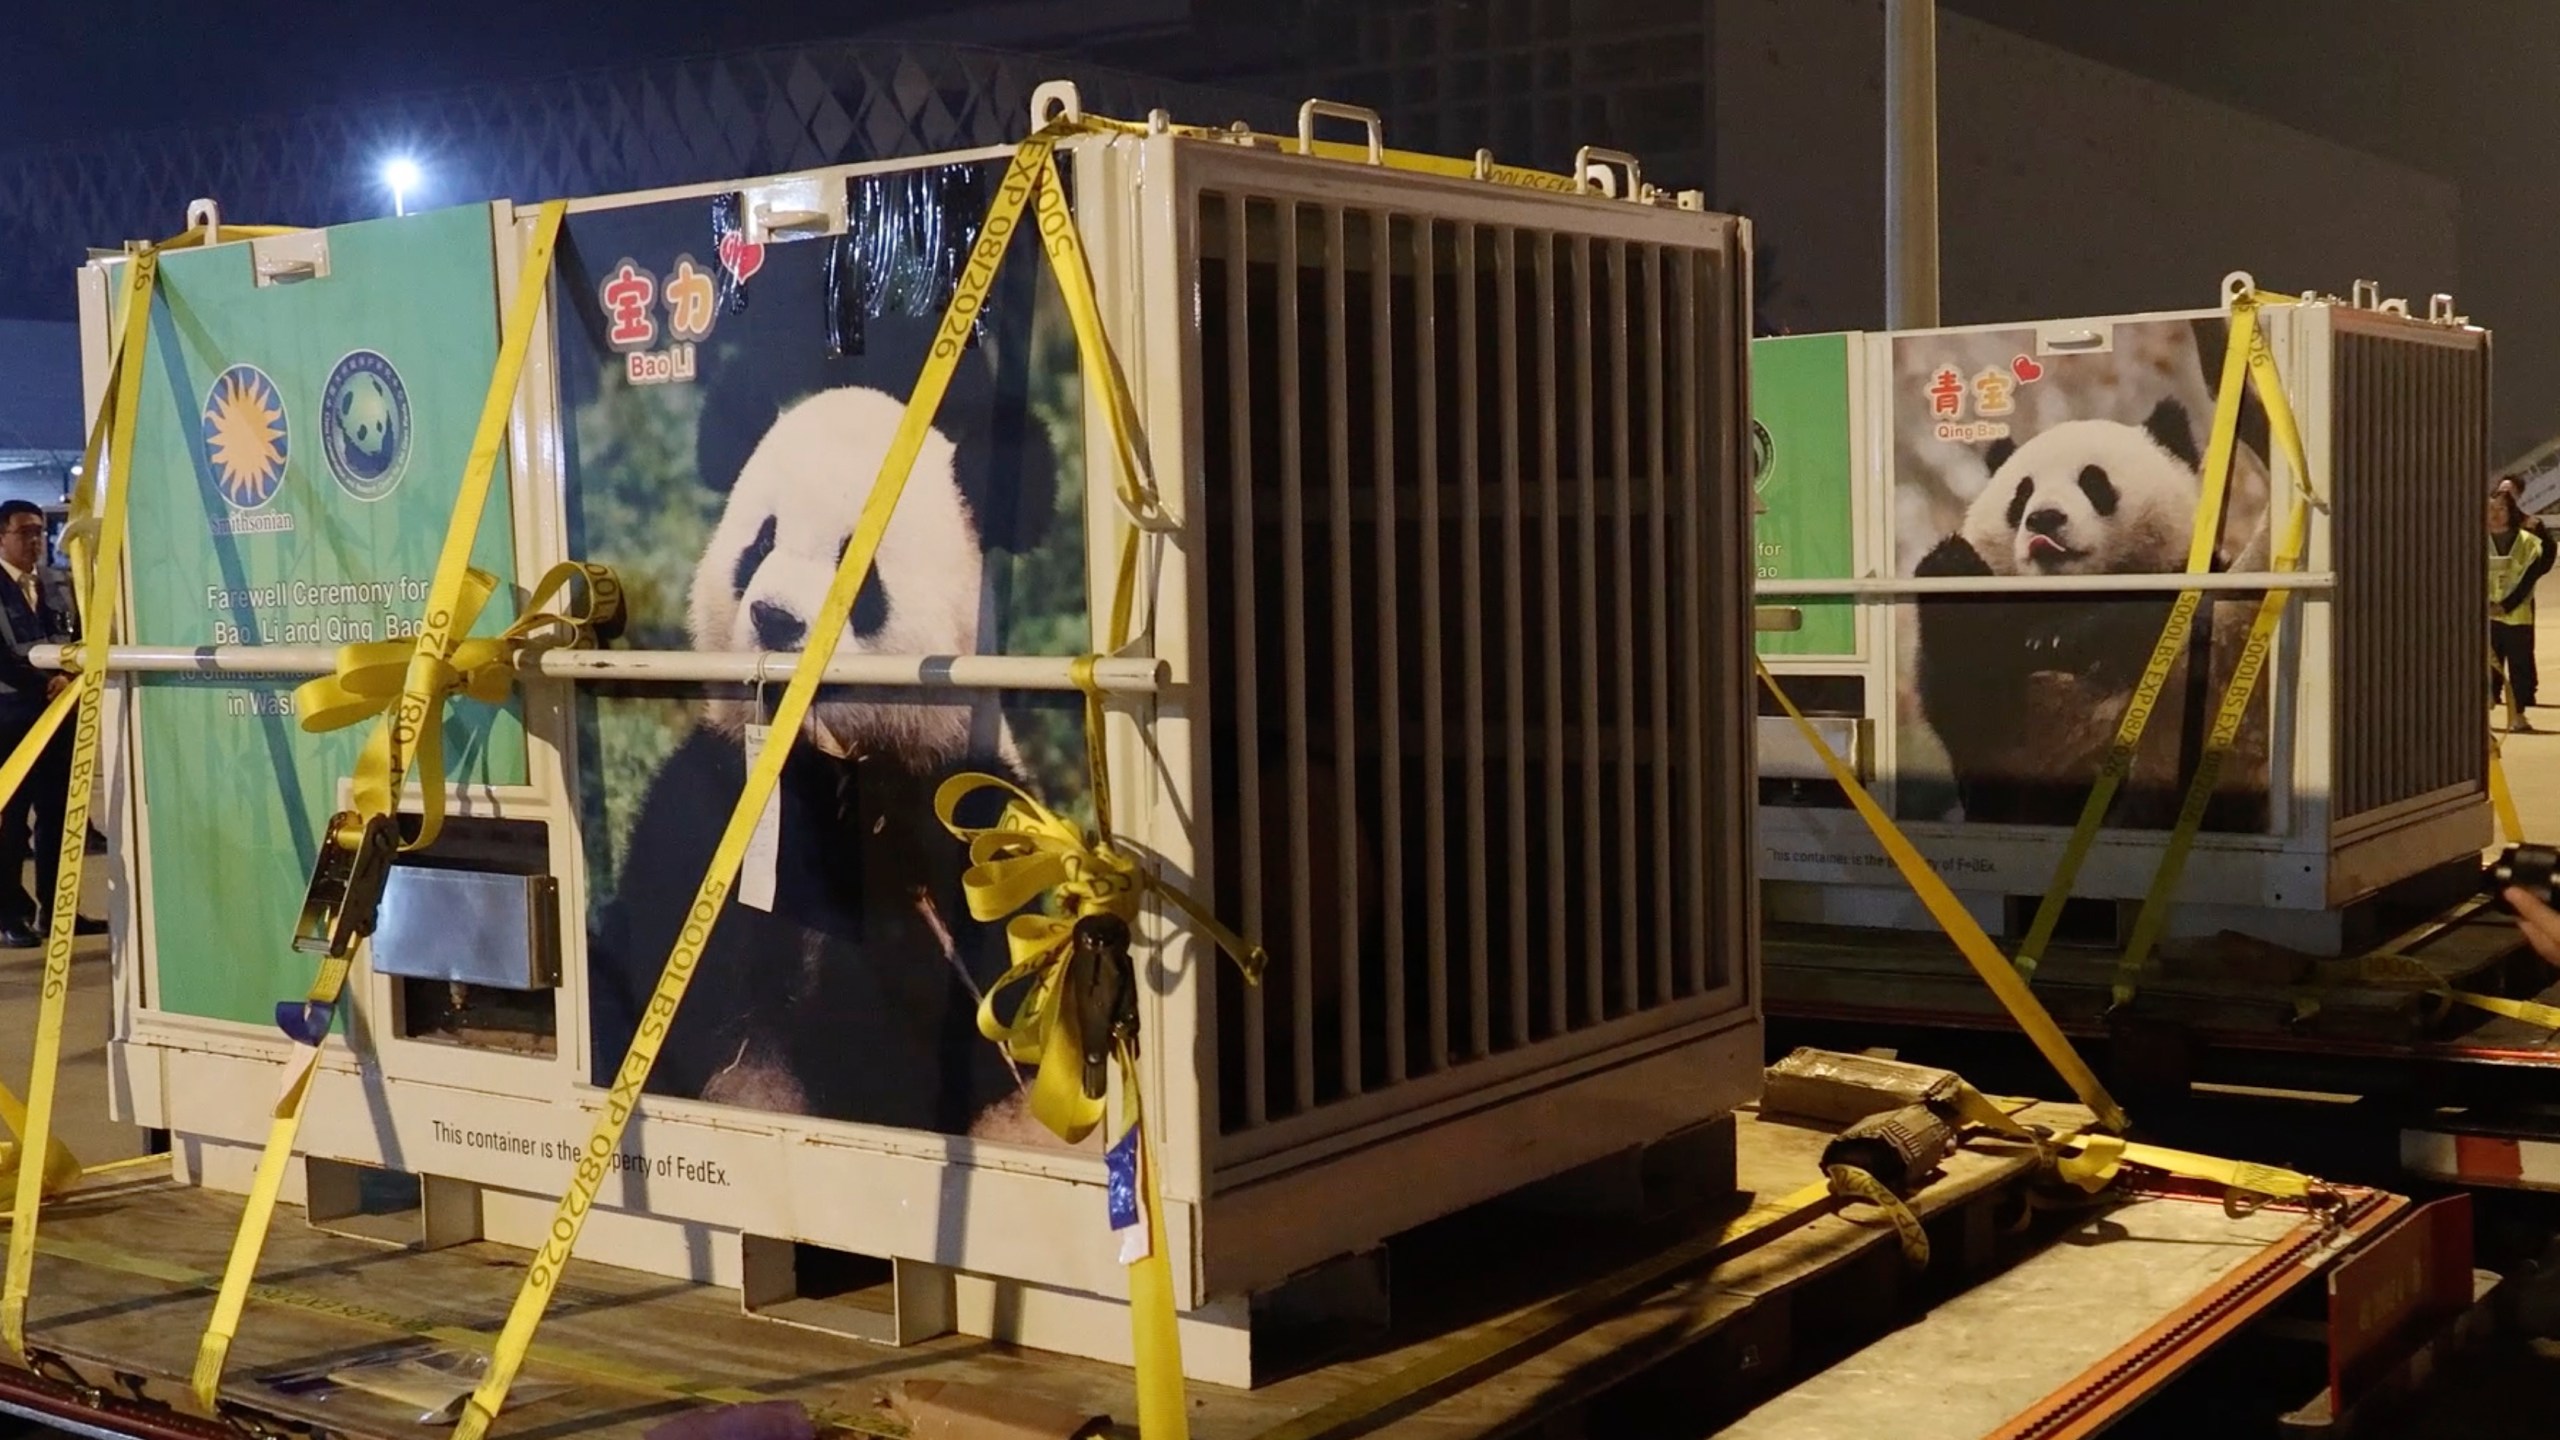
pixel 2044 584
pixel 588 667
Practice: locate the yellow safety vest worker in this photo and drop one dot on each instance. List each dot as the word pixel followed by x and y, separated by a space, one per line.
pixel 2507 571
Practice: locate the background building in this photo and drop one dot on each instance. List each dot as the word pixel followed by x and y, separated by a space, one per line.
pixel 2089 162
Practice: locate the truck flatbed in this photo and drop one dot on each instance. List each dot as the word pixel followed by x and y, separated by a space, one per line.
pixel 1506 1322
pixel 2231 1016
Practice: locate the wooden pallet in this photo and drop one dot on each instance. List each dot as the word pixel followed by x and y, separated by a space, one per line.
pixel 123 1288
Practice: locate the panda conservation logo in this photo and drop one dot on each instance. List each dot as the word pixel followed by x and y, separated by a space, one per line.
pixel 365 427
pixel 246 437
pixel 1764 455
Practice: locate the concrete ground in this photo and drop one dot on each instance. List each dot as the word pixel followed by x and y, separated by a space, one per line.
pixel 80 1104
pixel 2533 761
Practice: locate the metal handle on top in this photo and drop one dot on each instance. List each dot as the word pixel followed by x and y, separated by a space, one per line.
pixel 1590 164
pixel 1337 110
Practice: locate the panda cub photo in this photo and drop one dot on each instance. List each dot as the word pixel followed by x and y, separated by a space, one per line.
pixel 842 978
pixel 2024 692
pixel 853 995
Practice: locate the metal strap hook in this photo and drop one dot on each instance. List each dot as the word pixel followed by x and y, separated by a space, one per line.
pixel 1055 100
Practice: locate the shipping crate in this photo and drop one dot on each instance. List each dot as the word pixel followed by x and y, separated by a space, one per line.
pixel 1979 712
pixel 1437 692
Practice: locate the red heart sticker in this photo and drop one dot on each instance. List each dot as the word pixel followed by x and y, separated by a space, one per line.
pixel 740 258
pixel 2026 369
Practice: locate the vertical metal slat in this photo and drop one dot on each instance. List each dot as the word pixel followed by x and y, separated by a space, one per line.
pixel 1480 935
pixel 1435 752
pixel 1658 747
pixel 2398 477
pixel 2451 750
pixel 1346 713
pixel 2388 477
pixel 1594 904
pixel 1729 512
pixel 1514 510
pixel 2406 697
pixel 1390 707
pixel 2349 468
pixel 1248 659
pixel 1551 554
pixel 2388 473
pixel 1293 601
pixel 1695 839
pixel 1624 727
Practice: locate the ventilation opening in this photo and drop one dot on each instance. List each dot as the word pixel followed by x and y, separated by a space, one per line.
pixel 1466 591
pixel 2410 446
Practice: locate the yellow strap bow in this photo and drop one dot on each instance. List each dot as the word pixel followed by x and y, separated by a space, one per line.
pixel 1030 852
pixel 371 678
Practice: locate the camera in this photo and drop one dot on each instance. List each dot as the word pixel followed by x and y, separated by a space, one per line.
pixel 2525 867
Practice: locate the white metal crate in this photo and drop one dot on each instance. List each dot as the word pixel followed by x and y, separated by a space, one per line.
pixel 1467 580
pixel 2369 725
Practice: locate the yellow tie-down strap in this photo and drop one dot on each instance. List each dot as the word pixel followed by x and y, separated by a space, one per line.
pixel 2388 968
pixel 2006 984
pixel 402 687
pixel 2219 453
pixel 94 545
pixel 2092 1162
pixel 2100 1156
pixel 2255 654
pixel 1029 853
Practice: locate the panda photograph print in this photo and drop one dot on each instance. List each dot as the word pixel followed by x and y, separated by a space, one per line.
pixel 726 409
pixel 2066 450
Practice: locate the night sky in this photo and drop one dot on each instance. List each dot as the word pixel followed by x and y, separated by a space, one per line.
pixel 2457 90
pixel 66 68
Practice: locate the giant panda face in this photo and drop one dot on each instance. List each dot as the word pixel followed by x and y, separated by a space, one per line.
pixel 764 576
pixel 2089 497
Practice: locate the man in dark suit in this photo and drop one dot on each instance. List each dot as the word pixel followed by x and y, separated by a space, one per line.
pixel 36 608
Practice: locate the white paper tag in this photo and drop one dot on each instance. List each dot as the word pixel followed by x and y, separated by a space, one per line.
pixel 764 847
